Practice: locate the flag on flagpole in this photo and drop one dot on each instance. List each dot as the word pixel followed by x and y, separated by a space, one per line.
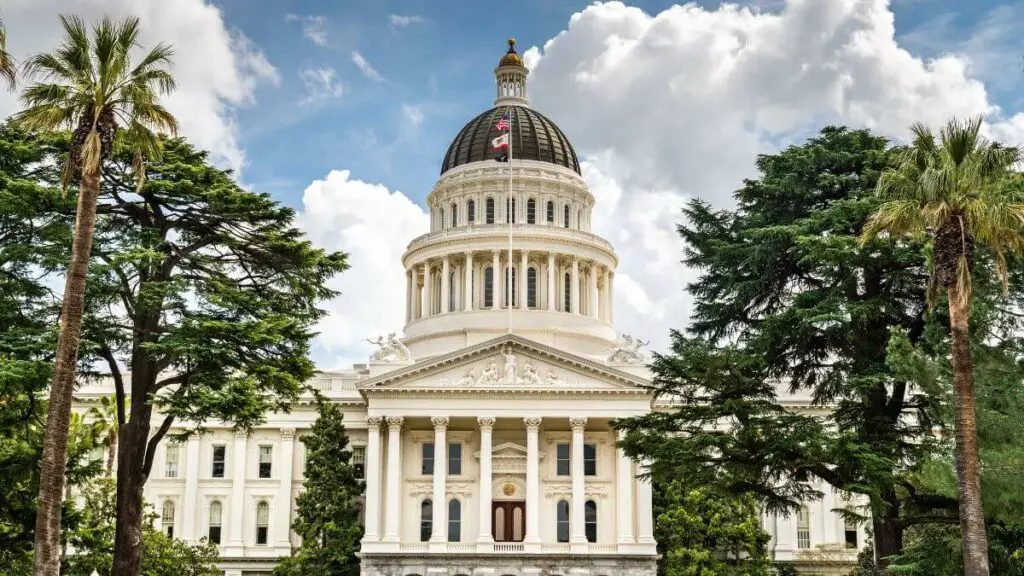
pixel 501 142
pixel 505 122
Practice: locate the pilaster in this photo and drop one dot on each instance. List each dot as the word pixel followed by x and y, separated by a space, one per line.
pixel 485 540
pixel 439 534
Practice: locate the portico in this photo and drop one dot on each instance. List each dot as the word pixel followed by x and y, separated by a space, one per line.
pixel 480 466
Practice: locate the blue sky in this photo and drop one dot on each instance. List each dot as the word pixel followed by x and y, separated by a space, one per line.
pixel 441 64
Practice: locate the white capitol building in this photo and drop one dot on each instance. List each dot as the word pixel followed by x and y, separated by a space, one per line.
pixel 484 433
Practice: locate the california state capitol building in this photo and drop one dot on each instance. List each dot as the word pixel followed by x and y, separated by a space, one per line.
pixel 483 433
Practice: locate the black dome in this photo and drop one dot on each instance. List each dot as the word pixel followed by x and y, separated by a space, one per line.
pixel 534 137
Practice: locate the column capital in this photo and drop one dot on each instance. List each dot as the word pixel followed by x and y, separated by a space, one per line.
pixel 287 433
pixel 486 423
pixel 468 254
pixel 374 422
pixel 532 423
pixel 440 422
pixel 578 423
pixel 395 422
pixel 444 258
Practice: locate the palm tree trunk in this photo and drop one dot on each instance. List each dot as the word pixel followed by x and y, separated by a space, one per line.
pixel 968 470
pixel 111 453
pixel 55 440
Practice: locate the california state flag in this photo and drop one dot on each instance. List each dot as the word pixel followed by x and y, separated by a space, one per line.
pixel 501 142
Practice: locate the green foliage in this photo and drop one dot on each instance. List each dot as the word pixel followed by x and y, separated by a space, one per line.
pixel 935 550
pixel 788 296
pixel 327 511
pixel 33 236
pixel 701 533
pixel 93 542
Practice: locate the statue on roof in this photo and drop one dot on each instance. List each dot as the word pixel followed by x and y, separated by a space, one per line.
pixel 390 349
pixel 628 351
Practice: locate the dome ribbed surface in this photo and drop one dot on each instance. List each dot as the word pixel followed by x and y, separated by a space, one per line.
pixel 534 137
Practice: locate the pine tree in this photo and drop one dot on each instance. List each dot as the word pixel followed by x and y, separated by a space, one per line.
pixel 788 298
pixel 327 515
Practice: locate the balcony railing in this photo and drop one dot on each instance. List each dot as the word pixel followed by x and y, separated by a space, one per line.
pixel 471 230
pixel 508 547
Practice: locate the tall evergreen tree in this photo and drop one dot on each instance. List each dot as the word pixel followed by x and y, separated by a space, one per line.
pixel 787 298
pixel 952 189
pixel 327 511
pixel 88 85
pixel 201 303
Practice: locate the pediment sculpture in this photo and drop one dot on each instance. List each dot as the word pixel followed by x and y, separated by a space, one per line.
pixel 390 349
pixel 628 351
pixel 509 374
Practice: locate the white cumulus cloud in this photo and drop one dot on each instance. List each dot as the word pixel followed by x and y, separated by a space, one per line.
pixel 217 68
pixel 373 225
pixel 401 21
pixel 675 105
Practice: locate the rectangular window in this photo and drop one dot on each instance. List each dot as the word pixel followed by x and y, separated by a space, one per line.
pixel 589 460
pixel 217 470
pixel 359 461
pixel 489 211
pixel 850 531
pixel 531 211
pixel 427 459
pixel 551 212
pixel 803 529
pixel 266 454
pixel 471 211
pixel 455 458
pixel 171 461
pixel 488 287
pixel 262 522
pixel 562 454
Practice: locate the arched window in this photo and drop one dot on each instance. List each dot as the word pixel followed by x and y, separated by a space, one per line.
pixel 510 284
pixel 531 211
pixel 565 214
pixel 216 511
pixel 489 211
pixel 488 287
pixel 531 287
pixel 426 520
pixel 563 521
pixel 567 294
pixel 551 212
pixel 590 520
pixel 453 292
pixel 262 522
pixel 579 219
pixel 471 211
pixel 167 518
pixel 440 224
pixel 455 215
pixel 803 528
pixel 454 521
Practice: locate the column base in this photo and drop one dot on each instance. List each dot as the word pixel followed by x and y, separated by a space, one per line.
pixel 437 546
pixel 577 547
pixel 531 547
pixel 234 549
pixel 485 547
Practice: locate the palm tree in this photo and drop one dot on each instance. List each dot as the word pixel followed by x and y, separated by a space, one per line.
pixel 956 190
pixel 7 67
pixel 87 85
pixel 106 416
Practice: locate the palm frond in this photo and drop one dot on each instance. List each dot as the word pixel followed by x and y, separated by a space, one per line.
pixel 8 67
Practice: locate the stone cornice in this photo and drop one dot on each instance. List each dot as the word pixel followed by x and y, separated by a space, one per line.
pixel 630 384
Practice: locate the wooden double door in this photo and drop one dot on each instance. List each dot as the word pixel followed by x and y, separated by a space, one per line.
pixel 508 520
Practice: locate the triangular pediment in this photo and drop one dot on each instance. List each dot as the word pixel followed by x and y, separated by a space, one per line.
pixel 509 363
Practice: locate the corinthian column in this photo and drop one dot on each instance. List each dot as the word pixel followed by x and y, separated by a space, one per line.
pixel 425 292
pixel 532 482
pixel 445 273
pixel 468 286
pixel 575 291
pixel 496 281
pixel 485 541
pixel 439 534
pixel 394 477
pixel 372 530
pixel 551 280
pixel 523 255
pixel 593 290
pixel 624 494
pixel 577 526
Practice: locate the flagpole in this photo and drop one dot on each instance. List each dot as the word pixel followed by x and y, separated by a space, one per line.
pixel 511 288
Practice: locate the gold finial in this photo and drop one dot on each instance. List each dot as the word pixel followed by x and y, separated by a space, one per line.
pixel 511 58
